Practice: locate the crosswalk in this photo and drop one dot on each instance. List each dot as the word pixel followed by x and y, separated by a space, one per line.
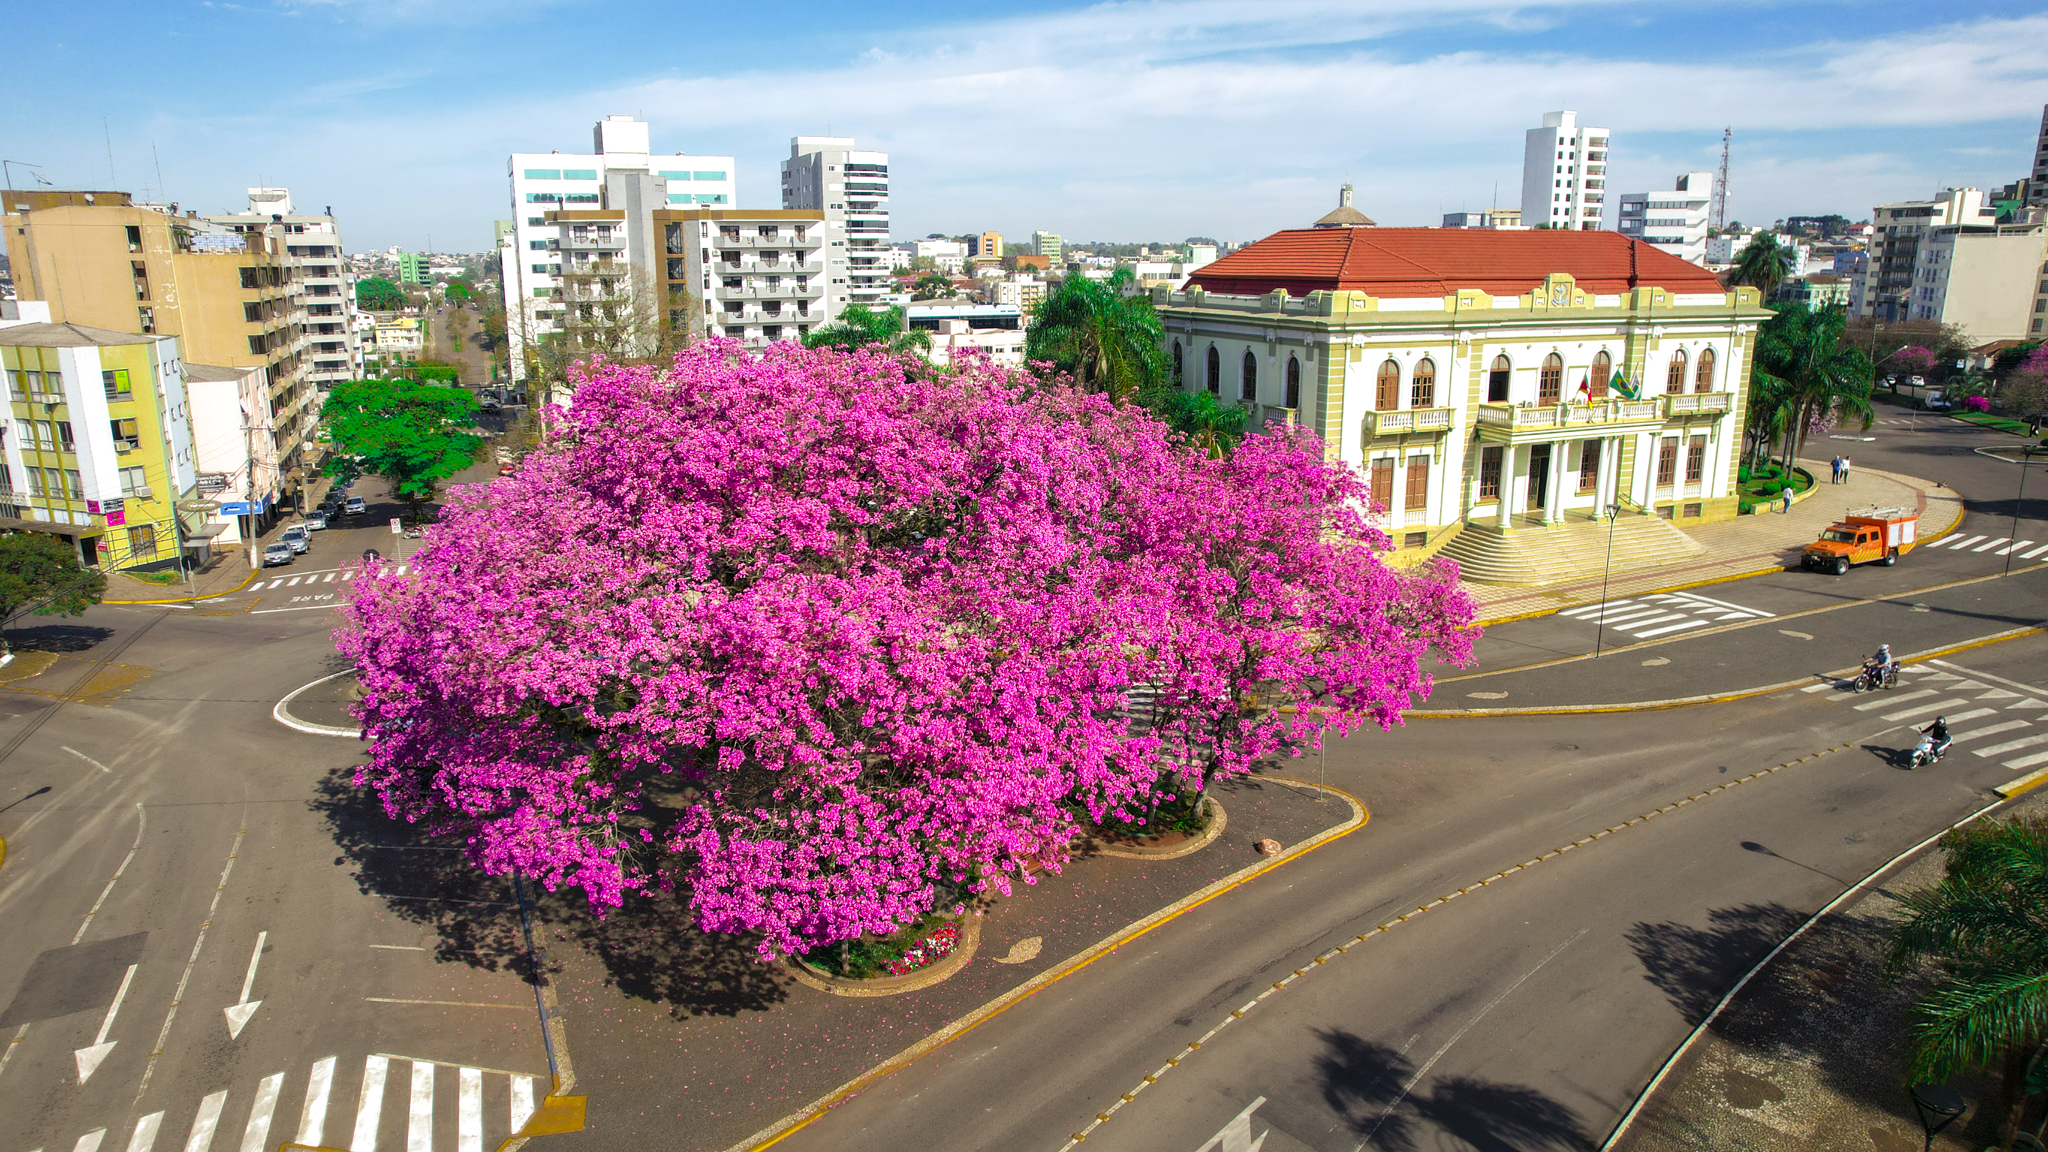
pixel 1979 707
pixel 1995 545
pixel 1661 614
pixel 312 578
pixel 422 1110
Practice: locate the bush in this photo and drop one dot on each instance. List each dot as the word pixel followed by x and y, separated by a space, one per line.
pixel 1977 404
pixel 926 942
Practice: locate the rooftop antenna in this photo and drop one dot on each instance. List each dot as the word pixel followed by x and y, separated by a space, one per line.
pixel 1721 184
pixel 109 131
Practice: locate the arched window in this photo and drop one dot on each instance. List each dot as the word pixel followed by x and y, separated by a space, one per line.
pixel 1422 384
pixel 1497 380
pixel 1603 371
pixel 1176 362
pixel 1550 382
pixel 1293 382
pixel 1703 376
pixel 1215 371
pixel 1674 380
pixel 1388 397
pixel 1248 381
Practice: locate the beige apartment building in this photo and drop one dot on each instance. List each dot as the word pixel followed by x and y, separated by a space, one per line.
pixel 232 295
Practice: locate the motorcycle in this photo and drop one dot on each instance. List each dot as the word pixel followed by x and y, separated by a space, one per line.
pixel 1928 752
pixel 1871 679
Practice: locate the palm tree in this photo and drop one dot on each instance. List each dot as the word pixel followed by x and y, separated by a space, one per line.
pixel 1986 925
pixel 1103 333
pixel 1215 426
pixel 860 326
pixel 1763 264
pixel 1806 373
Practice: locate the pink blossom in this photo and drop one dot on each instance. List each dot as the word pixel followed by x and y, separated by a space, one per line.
pixel 828 638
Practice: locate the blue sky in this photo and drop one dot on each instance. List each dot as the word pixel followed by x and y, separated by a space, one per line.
pixel 1133 120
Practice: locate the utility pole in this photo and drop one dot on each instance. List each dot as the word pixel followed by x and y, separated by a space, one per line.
pixel 1721 183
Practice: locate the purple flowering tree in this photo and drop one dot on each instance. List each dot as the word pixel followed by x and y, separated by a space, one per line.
pixel 826 638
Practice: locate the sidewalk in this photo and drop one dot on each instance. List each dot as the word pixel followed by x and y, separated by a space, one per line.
pixel 227 574
pixel 1745 546
pixel 1812 1053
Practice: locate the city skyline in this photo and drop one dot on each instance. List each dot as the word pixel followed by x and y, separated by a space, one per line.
pixel 1150 121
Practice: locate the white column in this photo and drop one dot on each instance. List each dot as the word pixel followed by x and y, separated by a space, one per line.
pixel 1553 509
pixel 1508 453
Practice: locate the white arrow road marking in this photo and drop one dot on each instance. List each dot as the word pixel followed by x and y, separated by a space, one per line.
pixel 1237 1135
pixel 89 1058
pixel 240 1011
pixel 178 996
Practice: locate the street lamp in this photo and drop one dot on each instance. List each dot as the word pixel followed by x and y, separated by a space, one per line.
pixel 1600 624
pixel 1938 1106
pixel 2011 545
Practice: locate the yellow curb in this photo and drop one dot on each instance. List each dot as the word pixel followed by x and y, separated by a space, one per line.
pixel 3 850
pixel 803 1117
pixel 2012 788
pixel 187 599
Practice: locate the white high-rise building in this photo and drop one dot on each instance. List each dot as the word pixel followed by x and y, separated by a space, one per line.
pixel 1564 174
pixel 547 182
pixel 851 187
pixel 1675 221
pixel 313 245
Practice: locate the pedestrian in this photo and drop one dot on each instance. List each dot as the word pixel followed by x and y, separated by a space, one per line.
pixel 1835 470
pixel 1788 501
pixel 1845 469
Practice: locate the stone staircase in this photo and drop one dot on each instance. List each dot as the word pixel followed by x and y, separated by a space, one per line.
pixel 1576 549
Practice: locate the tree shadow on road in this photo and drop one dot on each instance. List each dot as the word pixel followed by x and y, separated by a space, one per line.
pixel 57 637
pixel 1365 1083
pixel 651 949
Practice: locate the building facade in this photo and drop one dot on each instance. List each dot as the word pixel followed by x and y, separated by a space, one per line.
pixel 986 246
pixel 1985 280
pixel 1884 290
pixel 1485 382
pixel 1050 246
pixel 1564 174
pixel 98 446
pixel 1492 218
pixel 1674 221
pixel 312 244
pixel 759 272
pixel 234 443
pixel 850 188
pixel 233 294
pixel 531 260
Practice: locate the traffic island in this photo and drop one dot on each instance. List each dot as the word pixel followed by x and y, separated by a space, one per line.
pixel 325 707
pixel 690 1040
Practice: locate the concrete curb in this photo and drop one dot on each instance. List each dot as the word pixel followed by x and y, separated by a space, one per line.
pixel 795 1121
pixel 944 970
pixel 1218 822
pixel 283 715
pixel 202 596
pixel 1621 1126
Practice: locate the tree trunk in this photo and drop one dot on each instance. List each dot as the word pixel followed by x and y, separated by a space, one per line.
pixel 2012 1092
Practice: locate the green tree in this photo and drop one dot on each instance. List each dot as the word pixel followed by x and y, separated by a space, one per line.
pixel 860 326
pixel 1762 264
pixel 931 286
pixel 1104 333
pixel 412 434
pixel 1206 421
pixel 1985 927
pixel 1806 374
pixel 40 574
pixel 376 294
pixel 459 291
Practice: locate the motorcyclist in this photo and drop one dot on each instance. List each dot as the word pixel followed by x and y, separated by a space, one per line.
pixel 1881 664
pixel 1937 734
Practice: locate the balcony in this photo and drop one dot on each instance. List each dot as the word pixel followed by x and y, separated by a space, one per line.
pixel 812 238
pixel 769 268
pixel 1716 404
pixel 1512 424
pixel 777 292
pixel 1408 422
pixel 600 240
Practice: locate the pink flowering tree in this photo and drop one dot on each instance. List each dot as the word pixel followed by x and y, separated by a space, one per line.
pixel 827 639
pixel 1913 360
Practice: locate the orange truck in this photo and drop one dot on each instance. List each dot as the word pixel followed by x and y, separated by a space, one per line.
pixel 1874 534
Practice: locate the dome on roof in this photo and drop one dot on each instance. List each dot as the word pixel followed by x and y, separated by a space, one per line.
pixel 1344 215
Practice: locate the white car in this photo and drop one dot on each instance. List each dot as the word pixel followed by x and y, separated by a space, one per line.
pixel 297 539
pixel 315 521
pixel 355 506
pixel 275 554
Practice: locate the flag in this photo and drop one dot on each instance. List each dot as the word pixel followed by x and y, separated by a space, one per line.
pixel 1624 389
pixel 1586 387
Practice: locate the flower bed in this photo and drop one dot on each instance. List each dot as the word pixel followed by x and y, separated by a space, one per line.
pixel 931 939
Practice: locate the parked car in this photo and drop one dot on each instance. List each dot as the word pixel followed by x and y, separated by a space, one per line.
pixel 275 554
pixel 297 539
pixel 315 521
pixel 356 507
pixel 1935 402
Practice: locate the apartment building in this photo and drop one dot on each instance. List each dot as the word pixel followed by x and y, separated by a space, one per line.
pixel 233 295
pixel 1564 174
pixel 1491 218
pixel 312 243
pixel 986 246
pixel 531 263
pixel 759 272
pixel 1050 246
pixel 234 443
pixel 1674 221
pixel 1987 280
pixel 98 447
pixel 1884 290
pixel 827 174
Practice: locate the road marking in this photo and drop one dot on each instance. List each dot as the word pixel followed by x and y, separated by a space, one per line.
pixel 2036 552
pixel 446 1003
pixel 1921 694
pixel 300 608
pixel 90 1142
pixel 1694 596
pixel 258 1131
pixel 421 948
pixel 1972 714
pixel 469 1111
pixel 1960 543
pixel 370 1108
pixel 178 996
pixel 89 1058
pixel 293 582
pixel 1693 623
pixel 203 1124
pixel 2029 689
pixel 1993 730
pixel 2013 745
pixel 2011 548
pixel 2028 761
pixel 1236 1136
pixel 522 1102
pixel 239 1012
pixel 1991 543
pixel 145 1132
pixel 419 1125
pixel 88 759
pixel 1822 686
pixel 1925 708
pixel 319 1086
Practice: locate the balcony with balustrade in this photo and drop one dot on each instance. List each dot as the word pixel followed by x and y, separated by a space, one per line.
pixel 1517 424
pixel 1714 405
pixel 811 238
pixel 1409 422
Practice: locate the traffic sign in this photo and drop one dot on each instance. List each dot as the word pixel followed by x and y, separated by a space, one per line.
pixel 397 526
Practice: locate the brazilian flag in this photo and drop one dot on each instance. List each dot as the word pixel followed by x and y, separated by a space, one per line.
pixel 1625 390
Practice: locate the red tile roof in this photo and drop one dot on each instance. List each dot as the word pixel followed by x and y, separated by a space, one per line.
pixel 1411 262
